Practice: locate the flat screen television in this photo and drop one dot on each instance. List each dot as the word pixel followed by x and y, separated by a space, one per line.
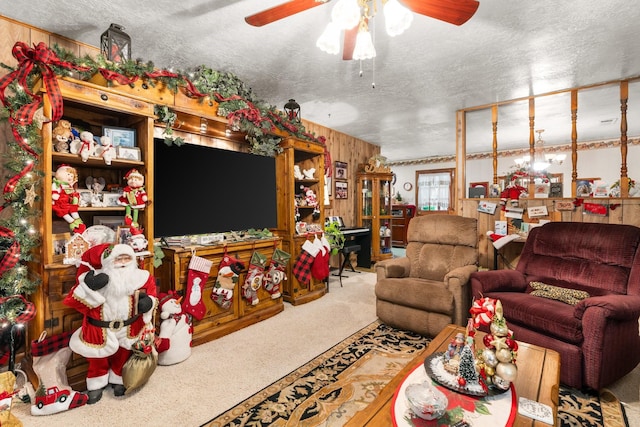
pixel 200 190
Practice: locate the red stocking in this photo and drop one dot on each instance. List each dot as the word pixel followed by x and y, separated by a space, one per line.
pixel 197 276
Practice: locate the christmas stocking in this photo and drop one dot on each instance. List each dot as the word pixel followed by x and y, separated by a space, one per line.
pixel 254 278
pixel 304 262
pixel 197 276
pixel 228 271
pixel 50 358
pixel 275 273
pixel 320 267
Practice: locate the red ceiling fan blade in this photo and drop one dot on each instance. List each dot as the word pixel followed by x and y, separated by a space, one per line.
pixel 281 11
pixel 452 11
pixel 349 43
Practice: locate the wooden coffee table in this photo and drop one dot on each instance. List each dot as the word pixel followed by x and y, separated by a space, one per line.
pixel 538 379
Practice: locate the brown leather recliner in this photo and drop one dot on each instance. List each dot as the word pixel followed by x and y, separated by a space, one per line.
pixel 428 288
pixel 576 290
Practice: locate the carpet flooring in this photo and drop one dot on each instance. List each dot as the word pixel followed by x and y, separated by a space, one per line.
pixel 331 388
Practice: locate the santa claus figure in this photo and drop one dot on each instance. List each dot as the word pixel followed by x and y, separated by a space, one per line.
pixel 117 300
pixel 134 197
pixel 65 199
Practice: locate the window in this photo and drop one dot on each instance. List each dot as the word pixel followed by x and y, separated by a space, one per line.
pixel 434 192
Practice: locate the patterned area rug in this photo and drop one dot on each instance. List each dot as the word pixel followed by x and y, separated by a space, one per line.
pixel 334 386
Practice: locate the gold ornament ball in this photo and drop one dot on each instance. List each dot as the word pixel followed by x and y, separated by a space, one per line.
pixel 504 355
pixel 490 371
pixel 507 371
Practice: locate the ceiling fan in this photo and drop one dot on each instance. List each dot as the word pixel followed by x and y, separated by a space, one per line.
pixel 455 12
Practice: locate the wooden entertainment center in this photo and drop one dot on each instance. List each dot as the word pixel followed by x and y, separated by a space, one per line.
pixel 96 106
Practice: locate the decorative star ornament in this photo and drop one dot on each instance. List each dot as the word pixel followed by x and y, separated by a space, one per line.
pixel 30 196
pixel 499 343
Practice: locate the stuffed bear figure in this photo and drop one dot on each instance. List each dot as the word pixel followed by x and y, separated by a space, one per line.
pixel 87 148
pixel 174 340
pixel 106 150
pixel 61 136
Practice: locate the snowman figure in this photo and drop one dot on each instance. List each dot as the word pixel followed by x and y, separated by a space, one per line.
pixel 174 341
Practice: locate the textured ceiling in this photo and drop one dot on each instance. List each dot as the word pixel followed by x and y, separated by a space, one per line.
pixel 509 49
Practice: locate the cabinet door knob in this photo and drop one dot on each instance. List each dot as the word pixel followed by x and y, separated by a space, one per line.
pixel 104 97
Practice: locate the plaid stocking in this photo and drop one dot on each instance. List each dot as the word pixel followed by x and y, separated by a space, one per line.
pixel 197 276
pixel 228 275
pixel 276 272
pixel 302 266
pixel 50 358
pixel 254 278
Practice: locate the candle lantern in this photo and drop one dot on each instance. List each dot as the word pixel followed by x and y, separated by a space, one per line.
pixel 115 44
pixel 292 108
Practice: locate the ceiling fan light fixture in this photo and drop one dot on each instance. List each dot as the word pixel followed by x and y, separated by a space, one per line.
pixel 346 14
pixel 364 44
pixel 397 18
pixel 329 40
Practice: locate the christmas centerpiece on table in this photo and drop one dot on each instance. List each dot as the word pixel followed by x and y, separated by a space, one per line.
pixel 478 371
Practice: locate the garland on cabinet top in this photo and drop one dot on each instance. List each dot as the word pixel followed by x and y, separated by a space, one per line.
pixel 236 102
pixel 21 110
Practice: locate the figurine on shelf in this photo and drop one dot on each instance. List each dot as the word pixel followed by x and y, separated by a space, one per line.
pixel 309 173
pixel 134 198
pixel 87 146
pixel 61 136
pixel 296 172
pixel 106 150
pixel 65 198
pixel 96 185
pixel 310 198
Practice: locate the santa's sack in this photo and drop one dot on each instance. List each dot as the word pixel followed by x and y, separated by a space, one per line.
pixel 142 363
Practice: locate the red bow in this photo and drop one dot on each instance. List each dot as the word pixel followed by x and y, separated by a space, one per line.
pixel 28 58
pixel 578 202
pixel 121 79
pixel 482 311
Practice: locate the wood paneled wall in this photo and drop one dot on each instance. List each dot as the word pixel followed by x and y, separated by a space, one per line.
pixel 354 152
pixel 341 147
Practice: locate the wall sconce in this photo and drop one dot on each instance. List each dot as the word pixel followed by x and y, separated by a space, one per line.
pixel 115 44
pixel 292 108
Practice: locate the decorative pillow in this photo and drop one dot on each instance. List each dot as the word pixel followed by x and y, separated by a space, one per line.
pixel 568 296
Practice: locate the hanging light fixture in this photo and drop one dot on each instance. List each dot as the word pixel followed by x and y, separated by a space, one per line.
pixel 364 44
pixel 541 161
pixel 346 14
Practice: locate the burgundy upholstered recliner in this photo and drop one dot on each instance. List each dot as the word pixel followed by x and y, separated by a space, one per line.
pixel 598 337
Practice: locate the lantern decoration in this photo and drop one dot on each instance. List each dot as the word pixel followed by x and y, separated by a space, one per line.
pixel 115 44
pixel 292 108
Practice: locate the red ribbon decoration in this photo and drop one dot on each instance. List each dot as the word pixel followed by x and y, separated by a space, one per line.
pixel 12 256
pixel 119 78
pixel 482 311
pixel 42 57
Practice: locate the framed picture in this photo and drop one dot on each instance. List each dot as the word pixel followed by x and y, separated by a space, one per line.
pixel 59 243
pixel 128 153
pixel 341 190
pixel 341 170
pixel 110 200
pixel 123 234
pixel 120 137
pixel 584 187
pixel 113 222
pixel 84 198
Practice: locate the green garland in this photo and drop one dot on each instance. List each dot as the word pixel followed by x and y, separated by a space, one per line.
pixel 18 215
pixel 236 101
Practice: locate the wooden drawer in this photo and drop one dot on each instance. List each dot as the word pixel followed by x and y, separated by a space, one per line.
pixel 205 107
pixel 158 94
pixel 106 98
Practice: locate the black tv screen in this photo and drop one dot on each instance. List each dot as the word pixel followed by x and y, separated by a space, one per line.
pixel 200 190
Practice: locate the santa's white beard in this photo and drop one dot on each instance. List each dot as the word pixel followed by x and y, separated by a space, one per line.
pixel 123 282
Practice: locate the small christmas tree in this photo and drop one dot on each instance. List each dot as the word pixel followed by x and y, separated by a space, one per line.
pixel 467 367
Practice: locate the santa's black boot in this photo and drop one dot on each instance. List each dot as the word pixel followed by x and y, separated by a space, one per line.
pixel 94 396
pixel 118 390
